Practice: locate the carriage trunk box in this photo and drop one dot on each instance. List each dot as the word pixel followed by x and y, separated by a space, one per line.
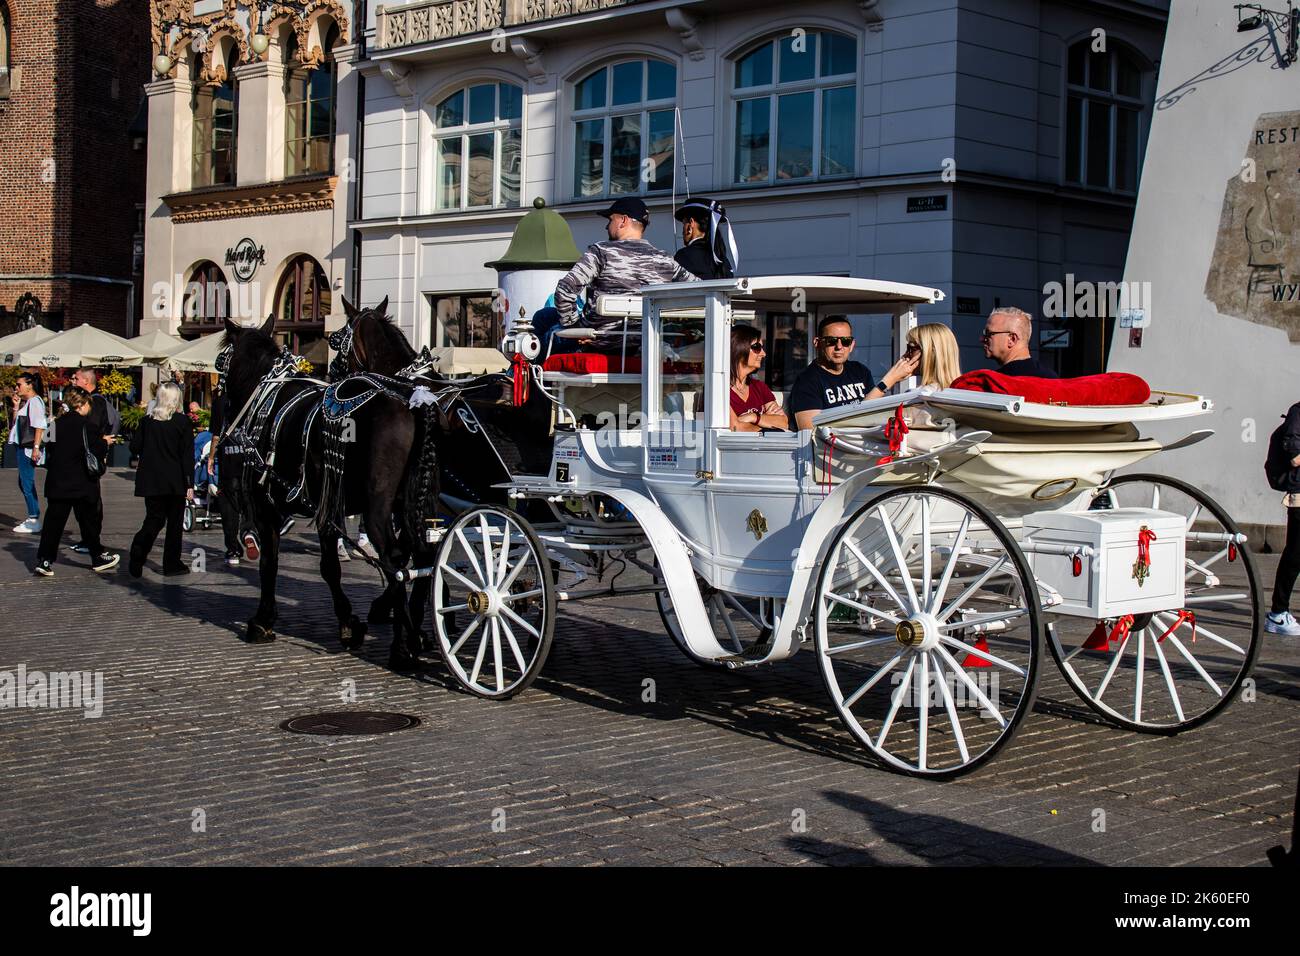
pixel 1110 583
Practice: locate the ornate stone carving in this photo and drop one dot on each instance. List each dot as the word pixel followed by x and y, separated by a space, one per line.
pixel 267 199
pixel 685 24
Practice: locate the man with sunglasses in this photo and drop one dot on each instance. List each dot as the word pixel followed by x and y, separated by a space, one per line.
pixel 833 380
pixel 1006 340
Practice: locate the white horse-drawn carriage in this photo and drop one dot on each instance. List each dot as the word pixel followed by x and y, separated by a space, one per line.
pixel 928 547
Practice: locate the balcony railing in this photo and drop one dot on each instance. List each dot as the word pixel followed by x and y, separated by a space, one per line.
pixel 433 20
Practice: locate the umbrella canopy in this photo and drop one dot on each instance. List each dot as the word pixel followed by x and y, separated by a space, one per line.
pixel 82 347
pixel 11 346
pixel 157 345
pixel 199 356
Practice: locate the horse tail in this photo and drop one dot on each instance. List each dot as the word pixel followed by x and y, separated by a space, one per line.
pixel 422 481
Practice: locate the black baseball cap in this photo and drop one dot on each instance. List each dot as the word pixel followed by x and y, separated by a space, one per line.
pixel 628 206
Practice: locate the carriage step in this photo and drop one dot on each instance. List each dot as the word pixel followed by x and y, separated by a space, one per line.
pixel 754 654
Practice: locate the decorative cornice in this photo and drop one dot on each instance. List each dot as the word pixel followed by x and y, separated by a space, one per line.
pixel 239 19
pixel 264 199
pixel 875 22
pixel 397 74
pixel 685 23
pixel 530 52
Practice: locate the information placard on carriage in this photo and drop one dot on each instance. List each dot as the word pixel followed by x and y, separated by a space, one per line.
pixel 664 458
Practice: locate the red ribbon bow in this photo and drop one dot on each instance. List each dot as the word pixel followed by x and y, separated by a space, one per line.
pixel 1145 537
pixel 895 429
pixel 519 392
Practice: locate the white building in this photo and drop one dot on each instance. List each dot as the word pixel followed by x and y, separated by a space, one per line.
pixel 985 147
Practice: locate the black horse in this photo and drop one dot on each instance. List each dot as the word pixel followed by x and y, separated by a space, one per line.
pixel 280 469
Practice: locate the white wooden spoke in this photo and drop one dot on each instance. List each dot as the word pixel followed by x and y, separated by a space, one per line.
pixel 1191 519
pixel 982 655
pixel 1155 497
pixel 1203 631
pixel 473 586
pixel 948 568
pixel 977 619
pixel 899 692
pixel 514 647
pixel 849 602
pixel 974 586
pixel 1169 678
pixel 875 573
pixel 452 608
pixel 464 635
pixel 858 645
pixel 925 555
pixel 509 612
pixel 496 655
pixel 731 628
pixel 487 546
pixel 505 553
pixel 473 561
pixel 478 658
pixel 898 557
pixel 744 612
pixel 923 729
pixel 521 596
pixel 514 572
pixel 1196 665
pixel 951 706
pixel 1110 671
pixel 1213 598
pixel 872 681
pixel 1204 567
pixel 1141 675
pixel 971 686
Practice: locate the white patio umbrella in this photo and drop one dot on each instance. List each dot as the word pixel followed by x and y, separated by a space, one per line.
pixel 82 347
pixel 200 356
pixel 158 345
pixel 11 346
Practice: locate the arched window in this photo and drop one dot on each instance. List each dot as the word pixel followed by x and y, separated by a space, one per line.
pixel 302 301
pixel 623 129
pixel 4 51
pixel 1103 117
pixel 795 108
pixel 207 300
pixel 309 98
pixel 477 155
pixel 216 108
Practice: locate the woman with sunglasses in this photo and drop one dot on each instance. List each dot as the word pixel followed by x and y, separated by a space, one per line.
pixel 753 406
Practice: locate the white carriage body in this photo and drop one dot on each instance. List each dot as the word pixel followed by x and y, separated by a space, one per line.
pixel 751 513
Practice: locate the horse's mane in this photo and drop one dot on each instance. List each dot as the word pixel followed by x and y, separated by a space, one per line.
pixel 386 347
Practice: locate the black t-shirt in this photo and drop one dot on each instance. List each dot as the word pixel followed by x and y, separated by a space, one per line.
pixel 1029 367
pixel 816 388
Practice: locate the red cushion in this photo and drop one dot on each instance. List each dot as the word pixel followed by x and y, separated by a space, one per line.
pixel 1109 388
pixel 590 363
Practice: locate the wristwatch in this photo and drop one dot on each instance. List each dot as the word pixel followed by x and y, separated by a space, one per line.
pixel 883 386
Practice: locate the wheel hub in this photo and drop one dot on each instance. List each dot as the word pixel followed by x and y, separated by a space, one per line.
pixel 483 602
pixel 920 633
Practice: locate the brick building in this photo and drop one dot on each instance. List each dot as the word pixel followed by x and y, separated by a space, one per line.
pixel 71 165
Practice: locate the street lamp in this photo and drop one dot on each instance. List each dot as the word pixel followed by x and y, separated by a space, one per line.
pixel 1288 23
pixel 260 42
pixel 163 63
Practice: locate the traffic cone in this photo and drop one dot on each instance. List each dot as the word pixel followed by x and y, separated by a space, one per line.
pixel 971 660
pixel 1099 639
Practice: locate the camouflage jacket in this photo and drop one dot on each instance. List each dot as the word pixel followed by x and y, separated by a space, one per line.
pixel 619 267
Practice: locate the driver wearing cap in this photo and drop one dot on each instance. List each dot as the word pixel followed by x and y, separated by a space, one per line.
pixel 710 248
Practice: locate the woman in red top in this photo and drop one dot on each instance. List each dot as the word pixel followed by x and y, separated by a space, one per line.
pixel 753 406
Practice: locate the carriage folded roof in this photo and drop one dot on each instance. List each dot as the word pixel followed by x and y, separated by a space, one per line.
pixel 780 291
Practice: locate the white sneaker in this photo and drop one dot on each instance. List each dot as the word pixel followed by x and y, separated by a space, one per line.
pixel 365 547
pixel 343 551
pixel 1282 623
pixel 30 526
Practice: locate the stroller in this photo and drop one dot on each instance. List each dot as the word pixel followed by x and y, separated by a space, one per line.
pixel 201 512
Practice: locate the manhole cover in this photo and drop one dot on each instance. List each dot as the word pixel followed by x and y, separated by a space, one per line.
pixel 350 722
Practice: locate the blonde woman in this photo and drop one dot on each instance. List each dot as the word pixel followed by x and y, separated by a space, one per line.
pixel 165 444
pixel 939 361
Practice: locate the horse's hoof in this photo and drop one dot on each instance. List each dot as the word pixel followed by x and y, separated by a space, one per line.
pixel 258 634
pixel 352 634
pixel 427 643
pixel 402 660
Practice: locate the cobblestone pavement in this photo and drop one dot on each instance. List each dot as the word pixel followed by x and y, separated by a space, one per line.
pixel 578 770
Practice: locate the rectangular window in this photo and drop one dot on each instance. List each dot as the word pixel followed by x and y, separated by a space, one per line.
pixel 465 321
pixel 589 153
pixel 1099 145
pixel 479 170
pixel 1074 140
pixel 1126 150
pixel 794 131
pixel 659 149
pixel 753 137
pixel 511 166
pixel 837 132
pixel 448 178
pixel 625 154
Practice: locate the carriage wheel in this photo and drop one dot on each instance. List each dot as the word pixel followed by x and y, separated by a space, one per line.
pixel 494 602
pixel 187 518
pixel 739 623
pixel 926 631
pixel 1167 674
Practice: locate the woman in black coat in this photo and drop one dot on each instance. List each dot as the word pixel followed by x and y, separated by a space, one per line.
pixel 164 443
pixel 69 485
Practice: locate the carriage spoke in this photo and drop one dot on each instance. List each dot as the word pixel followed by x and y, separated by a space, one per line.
pixel 736 642
pixel 514 572
pixel 1169 678
pixel 982 655
pixel 948 568
pixel 1204 632
pixel 978 619
pixel 974 586
pixel 872 681
pixel 486 535
pixel 462 579
pixel 496 655
pixel 514 647
pixel 849 602
pixel 509 612
pixel 1204 567
pixel 898 556
pixel 1212 598
pixel 478 658
pixel 1191 519
pixel 923 729
pixel 899 692
pixel 473 561
pixel 744 611
pixel 889 588
pixel 1141 674
pixel 521 596
pixel 1110 671
pixel 925 559
pixel 1155 497
pixel 505 553
pixel 464 635
pixel 1196 665
pixel 452 608
pixel 951 706
pixel 858 645
pixel 971 686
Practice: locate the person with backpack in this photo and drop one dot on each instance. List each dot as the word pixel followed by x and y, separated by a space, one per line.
pixel 1282 467
pixel 103 420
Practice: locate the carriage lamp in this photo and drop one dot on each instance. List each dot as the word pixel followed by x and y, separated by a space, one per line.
pixel 259 41
pixel 1287 23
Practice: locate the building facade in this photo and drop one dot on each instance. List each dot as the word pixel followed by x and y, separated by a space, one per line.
pixel 984 147
pixel 249 115
pixel 72 163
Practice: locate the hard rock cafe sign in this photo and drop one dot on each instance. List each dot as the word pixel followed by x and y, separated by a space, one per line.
pixel 244 258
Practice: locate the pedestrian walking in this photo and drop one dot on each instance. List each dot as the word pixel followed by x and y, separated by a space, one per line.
pixel 164 442
pixel 100 420
pixel 27 435
pixel 1283 471
pixel 72 484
